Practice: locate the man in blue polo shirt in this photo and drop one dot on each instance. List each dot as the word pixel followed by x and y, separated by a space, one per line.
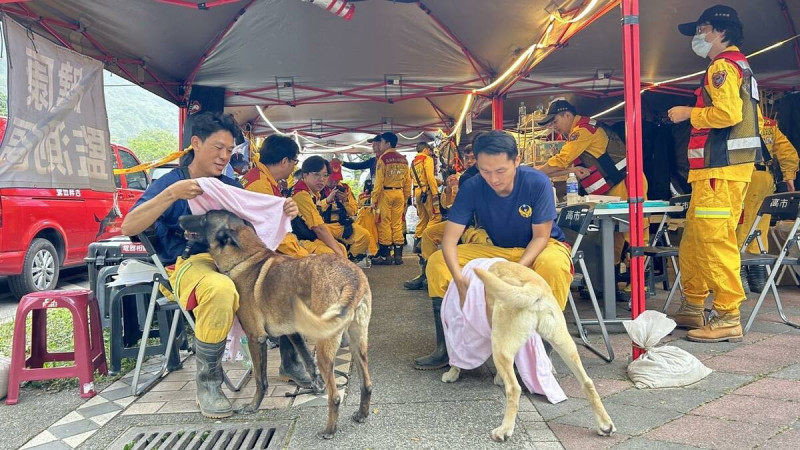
pixel 515 206
pixel 210 295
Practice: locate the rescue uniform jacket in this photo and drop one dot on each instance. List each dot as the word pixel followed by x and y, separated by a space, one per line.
pixel 780 148
pixel 391 173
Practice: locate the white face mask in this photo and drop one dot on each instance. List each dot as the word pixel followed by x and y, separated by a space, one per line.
pixel 700 46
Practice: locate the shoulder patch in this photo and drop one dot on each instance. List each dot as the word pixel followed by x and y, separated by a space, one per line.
pixel 718 78
pixel 573 136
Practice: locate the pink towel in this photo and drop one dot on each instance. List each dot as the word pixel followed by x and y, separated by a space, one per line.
pixel 264 211
pixel 469 337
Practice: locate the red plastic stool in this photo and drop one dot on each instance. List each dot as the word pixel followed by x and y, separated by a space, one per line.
pixel 89 353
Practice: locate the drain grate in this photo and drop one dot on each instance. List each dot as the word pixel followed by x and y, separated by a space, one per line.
pixel 246 436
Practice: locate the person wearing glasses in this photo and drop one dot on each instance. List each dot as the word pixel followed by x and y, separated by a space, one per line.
pixel 307 194
pixel 724 145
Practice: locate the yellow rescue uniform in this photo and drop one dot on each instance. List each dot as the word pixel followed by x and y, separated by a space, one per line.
pixel 389 196
pixel 307 205
pixel 366 219
pixel 762 184
pixel 359 239
pixel 260 179
pixel 593 140
pixel 708 251
pixel 210 295
pixel 554 264
pixel 425 185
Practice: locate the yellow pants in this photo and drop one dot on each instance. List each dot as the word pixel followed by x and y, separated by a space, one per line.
pixel 291 246
pixel 215 293
pixel 761 185
pixel 366 219
pixel 427 214
pixel 621 191
pixel 553 264
pixel 358 241
pixel 318 247
pixel 708 253
pixel 433 234
pixel 391 227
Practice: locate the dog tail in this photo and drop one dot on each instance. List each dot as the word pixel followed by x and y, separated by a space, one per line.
pixel 530 292
pixel 317 327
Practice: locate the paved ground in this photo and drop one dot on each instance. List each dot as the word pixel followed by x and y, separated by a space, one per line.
pixel 752 399
pixel 69 279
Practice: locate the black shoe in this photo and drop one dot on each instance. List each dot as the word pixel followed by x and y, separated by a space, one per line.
pixel 757 278
pixel 417 246
pixel 420 282
pixel 292 368
pixel 212 400
pixel 438 358
pixel 398 255
pixel 383 258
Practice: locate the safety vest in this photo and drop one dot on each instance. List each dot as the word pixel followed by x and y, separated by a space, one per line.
pixel 333 213
pixel 738 144
pixel 607 170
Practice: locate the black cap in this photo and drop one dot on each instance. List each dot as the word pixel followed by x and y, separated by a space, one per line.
pixel 556 106
pixel 390 137
pixel 374 139
pixel 717 13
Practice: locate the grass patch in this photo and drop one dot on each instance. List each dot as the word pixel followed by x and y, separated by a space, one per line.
pixel 60 338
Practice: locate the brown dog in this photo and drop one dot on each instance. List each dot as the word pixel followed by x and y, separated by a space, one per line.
pixel 319 297
pixel 518 302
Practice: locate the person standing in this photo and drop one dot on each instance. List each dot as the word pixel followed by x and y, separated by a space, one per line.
pixel 426 191
pixel 723 146
pixel 390 195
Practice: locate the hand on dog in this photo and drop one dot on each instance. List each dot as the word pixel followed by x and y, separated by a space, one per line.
pixel 290 208
pixel 185 190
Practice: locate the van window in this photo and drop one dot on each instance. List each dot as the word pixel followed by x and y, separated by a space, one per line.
pixel 136 180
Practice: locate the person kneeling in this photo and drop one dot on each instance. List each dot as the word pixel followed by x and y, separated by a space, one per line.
pixel 516 208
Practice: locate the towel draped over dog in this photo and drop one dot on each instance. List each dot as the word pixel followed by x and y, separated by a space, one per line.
pixel 469 337
pixel 264 211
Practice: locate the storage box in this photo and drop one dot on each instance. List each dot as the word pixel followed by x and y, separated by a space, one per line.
pixel 111 252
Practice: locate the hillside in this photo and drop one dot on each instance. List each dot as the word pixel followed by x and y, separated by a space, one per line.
pixel 131 109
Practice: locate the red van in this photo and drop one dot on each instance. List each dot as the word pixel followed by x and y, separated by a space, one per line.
pixel 43 230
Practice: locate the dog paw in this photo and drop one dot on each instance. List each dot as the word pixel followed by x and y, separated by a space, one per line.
pixel 498 380
pixel 326 434
pixel 245 410
pixel 501 433
pixel 606 430
pixel 451 376
pixel 358 417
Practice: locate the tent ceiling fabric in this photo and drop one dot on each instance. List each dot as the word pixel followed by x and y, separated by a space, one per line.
pixel 278 48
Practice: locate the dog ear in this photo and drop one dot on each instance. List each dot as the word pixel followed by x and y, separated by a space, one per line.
pixel 227 236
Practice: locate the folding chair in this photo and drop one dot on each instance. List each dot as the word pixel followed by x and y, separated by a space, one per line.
pixel 162 279
pixel 784 206
pixel 578 218
pixel 668 251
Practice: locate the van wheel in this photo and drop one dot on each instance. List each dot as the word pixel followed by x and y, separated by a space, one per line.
pixel 39 271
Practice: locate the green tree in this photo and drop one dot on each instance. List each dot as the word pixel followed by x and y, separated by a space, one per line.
pixel 152 144
pixel 3 104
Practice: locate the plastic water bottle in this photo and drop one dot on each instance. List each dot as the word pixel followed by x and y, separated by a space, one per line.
pixel 246 351
pixel 572 189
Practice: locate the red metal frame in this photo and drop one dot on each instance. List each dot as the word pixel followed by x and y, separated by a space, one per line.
pixel 195 5
pixel 497 112
pixel 477 66
pixel 633 130
pixel 790 24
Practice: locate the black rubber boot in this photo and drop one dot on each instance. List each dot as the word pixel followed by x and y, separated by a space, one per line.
pixel 757 278
pixel 417 246
pixel 398 254
pixel 421 281
pixel 745 278
pixel 383 258
pixel 292 368
pixel 212 401
pixel 438 358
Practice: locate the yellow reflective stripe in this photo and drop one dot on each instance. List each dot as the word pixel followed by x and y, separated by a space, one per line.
pixel 712 213
pixel 178 276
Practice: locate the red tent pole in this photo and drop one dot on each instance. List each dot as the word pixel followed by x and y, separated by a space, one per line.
pixel 633 131
pixel 181 122
pixel 497 112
